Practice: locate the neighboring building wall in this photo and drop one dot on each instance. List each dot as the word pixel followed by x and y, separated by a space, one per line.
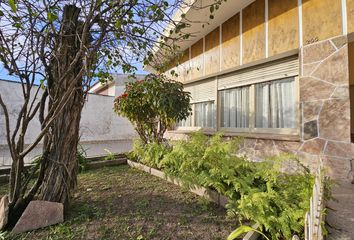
pixel 116 87
pixel 104 91
pixel 100 127
pixel 316 31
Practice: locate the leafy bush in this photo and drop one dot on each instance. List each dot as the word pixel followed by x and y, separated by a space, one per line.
pixel 153 105
pixel 259 192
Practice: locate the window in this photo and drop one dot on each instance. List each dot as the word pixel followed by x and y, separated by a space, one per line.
pixel 203 116
pixel 275 104
pixel 268 105
pixel 235 108
pixel 185 123
pixel 259 99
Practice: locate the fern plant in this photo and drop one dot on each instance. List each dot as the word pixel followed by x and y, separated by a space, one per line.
pixel 150 154
pixel 258 192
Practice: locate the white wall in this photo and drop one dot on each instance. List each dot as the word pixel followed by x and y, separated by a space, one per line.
pixel 100 127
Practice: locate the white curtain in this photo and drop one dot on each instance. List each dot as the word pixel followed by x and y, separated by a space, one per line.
pixel 185 123
pixel 275 104
pixel 204 114
pixel 235 108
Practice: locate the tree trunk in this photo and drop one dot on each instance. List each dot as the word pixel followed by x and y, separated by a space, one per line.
pixel 61 171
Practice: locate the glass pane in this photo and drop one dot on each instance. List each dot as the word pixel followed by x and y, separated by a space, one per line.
pixel 185 123
pixel 204 114
pixel 235 107
pixel 275 104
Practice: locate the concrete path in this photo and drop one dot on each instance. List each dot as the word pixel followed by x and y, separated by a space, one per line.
pixel 340 216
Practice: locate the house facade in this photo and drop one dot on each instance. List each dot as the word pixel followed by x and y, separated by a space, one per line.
pixel 278 73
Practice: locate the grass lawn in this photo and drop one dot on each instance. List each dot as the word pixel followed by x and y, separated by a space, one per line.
pixel 124 203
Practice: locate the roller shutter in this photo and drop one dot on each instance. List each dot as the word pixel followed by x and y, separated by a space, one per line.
pixel 202 91
pixel 266 72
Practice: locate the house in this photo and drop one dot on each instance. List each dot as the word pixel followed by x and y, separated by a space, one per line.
pixel 115 87
pixel 278 73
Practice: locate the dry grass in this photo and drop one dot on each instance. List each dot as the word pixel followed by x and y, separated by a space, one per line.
pixel 124 203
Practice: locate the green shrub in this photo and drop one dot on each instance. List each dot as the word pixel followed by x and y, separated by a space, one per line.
pixel 150 154
pixel 258 192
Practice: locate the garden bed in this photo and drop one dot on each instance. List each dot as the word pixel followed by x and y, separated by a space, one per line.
pixel 124 203
pixel 209 194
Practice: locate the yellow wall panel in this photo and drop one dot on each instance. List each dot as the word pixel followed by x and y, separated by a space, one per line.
pixel 197 59
pixel 283 26
pixel 322 19
pixel 231 43
pixel 350 14
pixel 253 31
pixel 212 52
pixel 183 67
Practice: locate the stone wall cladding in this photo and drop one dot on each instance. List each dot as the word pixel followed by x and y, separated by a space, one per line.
pixel 325 105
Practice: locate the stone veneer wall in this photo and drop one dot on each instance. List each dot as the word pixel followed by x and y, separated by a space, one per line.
pixel 324 94
pixel 325 113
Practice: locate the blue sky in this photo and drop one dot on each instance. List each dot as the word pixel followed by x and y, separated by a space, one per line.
pixel 5 76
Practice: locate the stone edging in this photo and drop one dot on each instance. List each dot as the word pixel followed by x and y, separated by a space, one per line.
pixel 209 194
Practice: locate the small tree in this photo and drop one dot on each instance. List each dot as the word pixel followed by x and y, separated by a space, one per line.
pixel 153 105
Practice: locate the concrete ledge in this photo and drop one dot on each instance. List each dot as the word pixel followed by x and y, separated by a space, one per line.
pixel 6 169
pixel 138 166
pixel 105 163
pixel 101 157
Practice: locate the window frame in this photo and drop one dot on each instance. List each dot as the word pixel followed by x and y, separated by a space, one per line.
pixel 252 118
pixel 196 128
